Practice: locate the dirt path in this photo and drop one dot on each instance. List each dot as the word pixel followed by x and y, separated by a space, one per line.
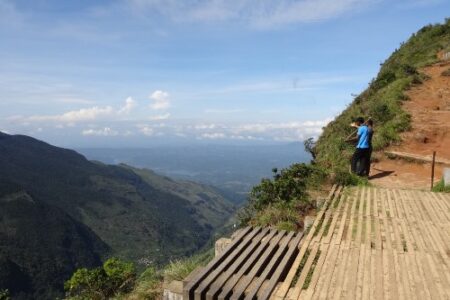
pixel 429 107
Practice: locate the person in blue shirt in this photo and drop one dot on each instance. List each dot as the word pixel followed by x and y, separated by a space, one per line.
pixel 359 158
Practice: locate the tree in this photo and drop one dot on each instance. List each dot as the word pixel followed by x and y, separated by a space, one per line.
pixel 113 278
pixel 309 147
pixel 4 295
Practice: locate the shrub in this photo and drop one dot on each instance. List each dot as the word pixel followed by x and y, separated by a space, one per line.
pixel 407 69
pixel 381 112
pixel 384 78
pixel 283 200
pixel 286 186
pixel 113 278
pixel 4 295
pixel 343 177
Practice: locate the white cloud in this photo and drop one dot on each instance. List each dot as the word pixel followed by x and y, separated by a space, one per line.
pixel 246 137
pixel 128 107
pixel 94 113
pixel 265 127
pixel 223 111
pixel 255 13
pixel 84 114
pixel 287 131
pixel 213 136
pixel 281 131
pixel 100 132
pixel 146 130
pixel 160 117
pixel 160 99
pixel 205 126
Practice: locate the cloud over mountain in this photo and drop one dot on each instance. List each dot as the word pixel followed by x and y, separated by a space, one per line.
pixel 160 100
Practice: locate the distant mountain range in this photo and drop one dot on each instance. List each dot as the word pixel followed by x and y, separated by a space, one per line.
pixel 60 211
pixel 234 168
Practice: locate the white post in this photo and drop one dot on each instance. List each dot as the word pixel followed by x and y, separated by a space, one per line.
pixel 446 176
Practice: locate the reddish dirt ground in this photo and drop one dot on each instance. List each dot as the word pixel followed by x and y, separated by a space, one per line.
pixel 429 107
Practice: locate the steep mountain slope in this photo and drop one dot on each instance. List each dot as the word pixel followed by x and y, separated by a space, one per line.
pixel 208 200
pixel 130 210
pixel 386 98
pixel 403 96
pixel 429 107
pixel 40 245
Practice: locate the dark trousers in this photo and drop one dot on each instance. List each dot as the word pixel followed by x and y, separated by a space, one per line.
pixel 367 166
pixel 360 160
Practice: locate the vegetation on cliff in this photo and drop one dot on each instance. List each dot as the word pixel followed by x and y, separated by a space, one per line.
pixel 114 278
pixel 283 200
pixel 382 100
pixel 118 279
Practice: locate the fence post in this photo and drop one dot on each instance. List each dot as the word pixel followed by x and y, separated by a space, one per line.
pixel 432 169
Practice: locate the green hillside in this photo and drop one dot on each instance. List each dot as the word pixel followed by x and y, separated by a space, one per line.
pixel 138 215
pixel 39 244
pixel 382 100
pixel 283 200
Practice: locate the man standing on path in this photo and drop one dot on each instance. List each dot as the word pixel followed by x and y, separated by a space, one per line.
pixel 359 158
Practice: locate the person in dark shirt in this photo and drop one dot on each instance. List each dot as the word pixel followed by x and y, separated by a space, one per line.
pixel 369 152
pixel 359 158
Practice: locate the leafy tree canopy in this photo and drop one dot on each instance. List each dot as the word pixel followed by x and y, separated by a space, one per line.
pixel 114 277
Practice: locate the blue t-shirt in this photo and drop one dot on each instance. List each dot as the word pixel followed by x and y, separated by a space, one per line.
pixel 363 137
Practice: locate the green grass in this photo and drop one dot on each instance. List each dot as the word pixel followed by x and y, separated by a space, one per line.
pixel 440 187
pixel 311 271
pixel 300 268
pixel 280 216
pixel 344 177
pixel 180 269
pixel 149 285
pixel 327 228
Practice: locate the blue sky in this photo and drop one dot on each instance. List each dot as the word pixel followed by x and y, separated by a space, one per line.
pixel 144 72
